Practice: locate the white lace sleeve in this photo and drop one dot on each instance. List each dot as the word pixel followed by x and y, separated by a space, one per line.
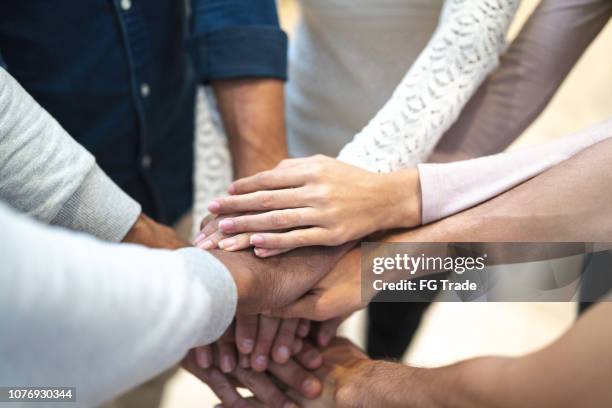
pixel 464 49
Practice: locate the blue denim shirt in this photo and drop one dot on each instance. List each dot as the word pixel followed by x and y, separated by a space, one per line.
pixel 120 76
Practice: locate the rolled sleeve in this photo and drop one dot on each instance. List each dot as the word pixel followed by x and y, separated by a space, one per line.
pixel 238 38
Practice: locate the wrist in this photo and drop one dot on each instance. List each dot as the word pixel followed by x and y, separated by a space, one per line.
pixel 404 209
pixel 149 233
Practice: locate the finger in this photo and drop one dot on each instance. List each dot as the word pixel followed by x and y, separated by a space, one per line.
pixel 246 332
pixel 223 388
pixel 212 241
pixel 203 356
pixel 327 331
pixel 287 177
pixel 263 388
pixel 225 356
pixel 293 239
pixel 297 345
pixel 266 253
pixel 265 337
pixel 281 351
pixel 207 220
pixel 212 225
pixel 296 377
pixel 303 328
pixel 265 200
pixel 236 243
pixel 244 361
pixel 310 357
pixel 271 220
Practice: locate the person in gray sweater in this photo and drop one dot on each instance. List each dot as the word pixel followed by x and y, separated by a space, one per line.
pixel 100 316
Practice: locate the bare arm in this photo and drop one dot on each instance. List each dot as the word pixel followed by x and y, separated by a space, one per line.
pixel 530 72
pixel 254 120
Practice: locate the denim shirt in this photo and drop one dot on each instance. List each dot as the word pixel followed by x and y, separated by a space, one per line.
pixel 120 76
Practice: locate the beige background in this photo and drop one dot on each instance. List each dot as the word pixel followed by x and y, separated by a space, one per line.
pixel 453 331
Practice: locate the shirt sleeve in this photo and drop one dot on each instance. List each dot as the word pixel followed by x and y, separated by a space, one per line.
pixel 48 175
pixel 529 74
pixel 449 188
pixel 101 317
pixel 463 50
pixel 238 38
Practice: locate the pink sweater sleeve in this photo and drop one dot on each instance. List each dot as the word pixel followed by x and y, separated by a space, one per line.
pixel 450 188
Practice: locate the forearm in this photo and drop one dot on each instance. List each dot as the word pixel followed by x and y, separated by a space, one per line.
pixel 573 371
pixel 48 175
pixel 76 303
pixel 449 188
pixel 569 202
pixel 254 120
pixel 529 74
pixel 461 53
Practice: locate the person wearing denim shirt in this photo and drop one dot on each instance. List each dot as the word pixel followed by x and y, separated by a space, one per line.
pixel 120 76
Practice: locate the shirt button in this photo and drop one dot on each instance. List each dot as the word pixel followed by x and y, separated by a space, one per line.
pixel 146 161
pixel 145 90
pixel 126 4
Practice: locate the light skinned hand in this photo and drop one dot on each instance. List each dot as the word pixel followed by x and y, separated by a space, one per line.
pixel 312 201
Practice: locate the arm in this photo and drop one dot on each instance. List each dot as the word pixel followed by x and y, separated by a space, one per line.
pixel 573 371
pixel 530 72
pixel 48 175
pixel 341 203
pixel 568 203
pixel 70 303
pixel 242 52
pixel 45 173
pixel 461 53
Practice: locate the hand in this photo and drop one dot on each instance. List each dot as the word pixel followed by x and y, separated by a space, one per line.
pixel 356 381
pixel 320 201
pixel 265 389
pixel 265 284
pixel 149 233
pixel 250 340
pixel 339 293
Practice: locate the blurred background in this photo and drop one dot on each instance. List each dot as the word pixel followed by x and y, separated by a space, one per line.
pixel 455 331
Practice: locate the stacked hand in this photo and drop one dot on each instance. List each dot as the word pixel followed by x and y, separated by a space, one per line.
pixel 310 201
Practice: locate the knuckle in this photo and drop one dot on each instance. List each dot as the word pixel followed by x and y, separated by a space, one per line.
pixel 266 200
pixel 346 396
pixel 280 219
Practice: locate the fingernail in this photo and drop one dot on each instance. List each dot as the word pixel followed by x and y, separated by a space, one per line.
pixel 283 354
pixel 290 405
pixel 227 243
pixel 247 346
pixel 206 244
pixel 203 358
pixel 231 189
pixel 226 364
pixel 227 225
pixel 214 206
pixel 261 362
pixel 199 238
pixel 311 386
pixel 257 239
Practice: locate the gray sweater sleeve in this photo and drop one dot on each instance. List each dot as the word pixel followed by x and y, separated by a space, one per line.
pixel 48 175
pixel 101 317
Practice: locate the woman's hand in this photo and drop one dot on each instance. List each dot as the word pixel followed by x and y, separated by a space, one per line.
pixel 312 201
